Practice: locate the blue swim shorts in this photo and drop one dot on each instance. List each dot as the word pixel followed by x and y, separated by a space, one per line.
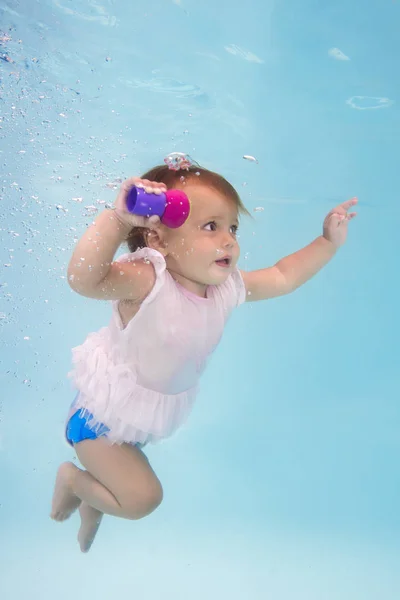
pixel 78 429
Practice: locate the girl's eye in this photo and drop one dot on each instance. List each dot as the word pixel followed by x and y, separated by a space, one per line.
pixel 234 229
pixel 212 226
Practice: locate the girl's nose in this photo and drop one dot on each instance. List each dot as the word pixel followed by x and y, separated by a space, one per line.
pixel 228 241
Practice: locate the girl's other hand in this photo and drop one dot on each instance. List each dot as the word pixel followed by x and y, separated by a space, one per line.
pixel 335 223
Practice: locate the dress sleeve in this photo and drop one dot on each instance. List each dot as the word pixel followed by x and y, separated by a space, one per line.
pixel 238 288
pixel 231 293
pixel 158 262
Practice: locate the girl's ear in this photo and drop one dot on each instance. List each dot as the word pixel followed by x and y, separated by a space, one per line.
pixel 155 240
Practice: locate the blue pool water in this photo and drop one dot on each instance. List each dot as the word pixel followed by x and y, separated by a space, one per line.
pixel 285 482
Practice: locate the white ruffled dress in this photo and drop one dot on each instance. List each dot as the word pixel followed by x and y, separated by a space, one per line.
pixel 141 380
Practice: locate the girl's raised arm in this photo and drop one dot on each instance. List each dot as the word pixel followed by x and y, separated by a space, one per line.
pixel 92 272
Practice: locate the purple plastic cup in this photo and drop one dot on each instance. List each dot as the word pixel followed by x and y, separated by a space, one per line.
pixel 173 207
pixel 140 203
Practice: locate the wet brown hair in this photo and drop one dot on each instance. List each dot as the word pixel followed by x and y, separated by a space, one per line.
pixel 163 174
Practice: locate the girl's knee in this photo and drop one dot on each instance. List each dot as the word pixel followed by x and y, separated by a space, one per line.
pixel 142 502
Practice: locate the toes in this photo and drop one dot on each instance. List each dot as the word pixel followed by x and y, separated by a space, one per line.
pixel 85 546
pixel 57 516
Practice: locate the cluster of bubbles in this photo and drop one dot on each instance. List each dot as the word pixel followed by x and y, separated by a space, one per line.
pixel 49 189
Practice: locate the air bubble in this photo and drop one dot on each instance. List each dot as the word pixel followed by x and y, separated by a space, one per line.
pixel 250 158
pixel 91 210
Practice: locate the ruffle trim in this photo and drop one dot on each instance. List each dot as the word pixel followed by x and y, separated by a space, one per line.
pixel 110 392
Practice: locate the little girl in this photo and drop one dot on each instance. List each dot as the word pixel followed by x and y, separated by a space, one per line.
pixel 171 297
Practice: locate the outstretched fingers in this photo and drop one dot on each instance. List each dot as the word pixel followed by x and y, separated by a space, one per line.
pixel 345 206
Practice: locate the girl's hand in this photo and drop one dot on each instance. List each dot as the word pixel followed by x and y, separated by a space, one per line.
pixel 129 219
pixel 335 224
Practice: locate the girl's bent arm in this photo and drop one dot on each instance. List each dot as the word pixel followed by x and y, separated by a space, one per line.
pixel 92 272
pixel 290 272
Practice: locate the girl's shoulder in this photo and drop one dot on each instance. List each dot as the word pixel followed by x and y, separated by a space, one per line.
pixel 231 293
pixel 148 256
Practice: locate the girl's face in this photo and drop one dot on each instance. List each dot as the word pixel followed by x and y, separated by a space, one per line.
pixel 204 251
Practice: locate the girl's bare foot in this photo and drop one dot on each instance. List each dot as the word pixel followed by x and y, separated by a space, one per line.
pixel 90 522
pixel 64 500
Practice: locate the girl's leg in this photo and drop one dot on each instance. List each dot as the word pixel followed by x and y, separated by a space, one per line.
pixel 119 481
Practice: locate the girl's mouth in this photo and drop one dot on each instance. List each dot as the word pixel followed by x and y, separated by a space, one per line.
pixel 224 262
